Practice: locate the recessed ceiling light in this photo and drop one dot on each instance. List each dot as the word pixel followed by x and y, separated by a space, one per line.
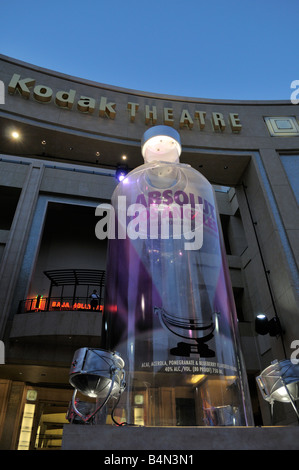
pixel 124 157
pixel 15 135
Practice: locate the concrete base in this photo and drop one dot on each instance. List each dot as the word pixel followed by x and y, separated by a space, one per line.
pixel 107 437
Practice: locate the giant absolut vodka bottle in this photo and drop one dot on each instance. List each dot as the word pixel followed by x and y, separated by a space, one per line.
pixel 169 308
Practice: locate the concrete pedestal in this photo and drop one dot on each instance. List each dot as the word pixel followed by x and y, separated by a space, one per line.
pixel 126 438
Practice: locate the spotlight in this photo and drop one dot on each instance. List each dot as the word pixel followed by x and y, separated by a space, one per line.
pixel 121 172
pixel 96 373
pixel 280 382
pixel 263 326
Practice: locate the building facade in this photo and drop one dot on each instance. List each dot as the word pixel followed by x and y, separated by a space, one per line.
pixel 62 139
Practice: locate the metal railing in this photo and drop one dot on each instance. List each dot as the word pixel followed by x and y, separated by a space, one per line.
pixel 48 304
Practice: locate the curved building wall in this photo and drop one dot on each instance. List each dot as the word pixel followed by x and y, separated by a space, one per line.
pixel 73 134
pixel 78 118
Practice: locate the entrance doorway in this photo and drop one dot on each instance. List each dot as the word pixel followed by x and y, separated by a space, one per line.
pixel 43 418
pixel 49 420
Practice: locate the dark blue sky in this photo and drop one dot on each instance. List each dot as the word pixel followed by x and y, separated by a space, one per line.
pixel 230 49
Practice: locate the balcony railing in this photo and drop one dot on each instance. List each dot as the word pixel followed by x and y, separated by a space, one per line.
pixel 47 304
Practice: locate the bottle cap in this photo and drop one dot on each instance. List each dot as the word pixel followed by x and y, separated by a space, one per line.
pixel 161 143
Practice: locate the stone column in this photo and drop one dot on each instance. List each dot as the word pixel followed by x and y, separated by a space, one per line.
pixel 17 241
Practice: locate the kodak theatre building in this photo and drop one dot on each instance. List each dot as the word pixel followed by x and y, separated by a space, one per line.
pixel 62 141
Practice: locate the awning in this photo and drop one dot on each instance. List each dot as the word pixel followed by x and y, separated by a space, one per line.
pixel 75 277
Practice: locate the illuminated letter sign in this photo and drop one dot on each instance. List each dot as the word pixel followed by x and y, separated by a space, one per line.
pixel 187 118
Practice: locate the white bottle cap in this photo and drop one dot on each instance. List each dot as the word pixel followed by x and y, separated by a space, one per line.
pixel 161 143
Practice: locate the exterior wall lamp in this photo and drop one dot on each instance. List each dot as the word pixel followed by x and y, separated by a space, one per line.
pixel 263 326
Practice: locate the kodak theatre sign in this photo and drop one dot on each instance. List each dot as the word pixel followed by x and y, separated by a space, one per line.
pixel 107 109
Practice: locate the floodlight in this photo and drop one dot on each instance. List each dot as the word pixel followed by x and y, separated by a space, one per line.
pixel 96 373
pixel 280 382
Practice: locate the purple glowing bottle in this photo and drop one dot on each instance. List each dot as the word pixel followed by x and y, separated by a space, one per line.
pixel 169 307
